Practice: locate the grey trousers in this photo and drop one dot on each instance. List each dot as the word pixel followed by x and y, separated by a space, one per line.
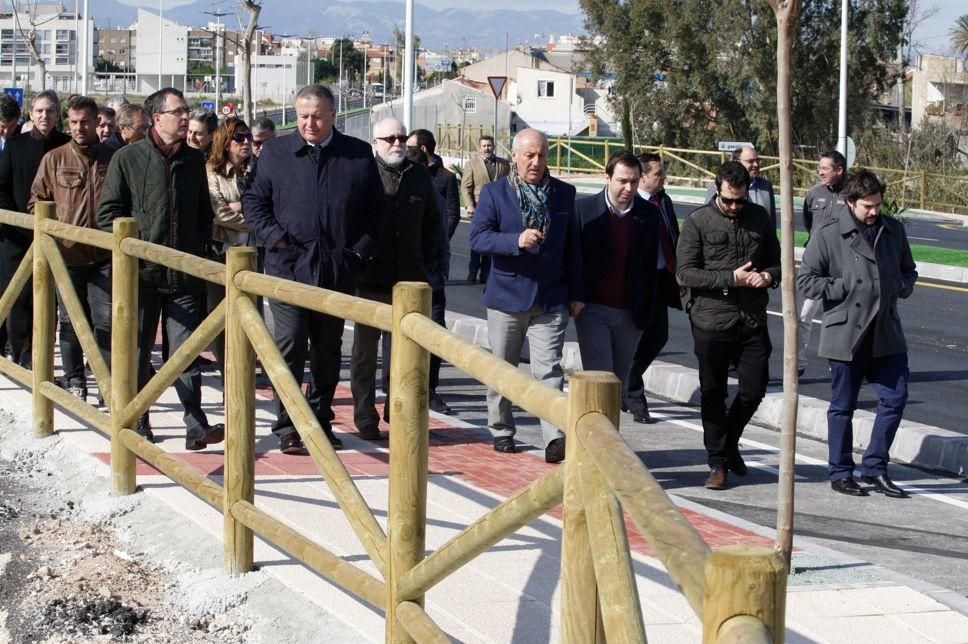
pixel 607 339
pixel 363 364
pixel 546 338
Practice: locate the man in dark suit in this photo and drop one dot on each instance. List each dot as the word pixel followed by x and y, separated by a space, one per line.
pixel 527 224
pixel 668 293
pixel 316 204
pixel 18 166
pixel 619 240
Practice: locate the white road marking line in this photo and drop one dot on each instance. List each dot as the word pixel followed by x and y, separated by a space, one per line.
pixel 931 239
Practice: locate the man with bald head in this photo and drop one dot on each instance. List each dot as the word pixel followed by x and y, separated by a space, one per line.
pixel 407 251
pixel 316 204
pixel 527 223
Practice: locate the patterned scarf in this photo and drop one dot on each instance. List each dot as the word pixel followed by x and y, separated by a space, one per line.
pixel 532 199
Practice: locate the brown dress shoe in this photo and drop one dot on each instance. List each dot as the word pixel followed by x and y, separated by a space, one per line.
pixel 555 451
pixel 292 445
pixel 717 479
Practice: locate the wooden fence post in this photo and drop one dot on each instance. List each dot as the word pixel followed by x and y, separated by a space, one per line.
pixel 409 426
pixel 239 416
pixel 743 580
pixel 45 316
pixel 924 189
pixel 581 615
pixel 124 351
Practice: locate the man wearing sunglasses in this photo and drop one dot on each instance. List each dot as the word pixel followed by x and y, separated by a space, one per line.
pixel 728 255
pixel 162 183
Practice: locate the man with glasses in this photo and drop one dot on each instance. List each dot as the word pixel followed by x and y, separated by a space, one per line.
pixel 132 124
pixel 162 183
pixel 407 252
pixel 262 130
pixel 728 256
pixel 760 190
pixel 316 204
pixel 527 223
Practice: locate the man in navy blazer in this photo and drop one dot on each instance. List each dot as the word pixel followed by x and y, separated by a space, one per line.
pixel 527 223
pixel 619 239
pixel 316 204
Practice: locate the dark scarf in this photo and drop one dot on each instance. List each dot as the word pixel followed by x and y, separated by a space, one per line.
pixel 869 232
pixel 167 151
pixel 532 199
pixel 391 176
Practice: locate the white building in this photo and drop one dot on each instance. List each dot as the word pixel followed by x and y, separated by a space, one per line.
pixel 162 53
pixel 548 101
pixel 274 78
pixel 59 40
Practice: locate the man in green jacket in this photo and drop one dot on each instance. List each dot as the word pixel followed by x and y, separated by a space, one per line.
pixel 161 182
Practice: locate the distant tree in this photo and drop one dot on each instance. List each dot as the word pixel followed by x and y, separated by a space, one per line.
pixel 324 70
pixel 694 71
pixel 27 19
pixel 252 9
pixel 352 59
pixel 959 36
pixel 103 65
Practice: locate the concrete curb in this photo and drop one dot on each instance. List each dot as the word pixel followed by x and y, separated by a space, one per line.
pixel 917 444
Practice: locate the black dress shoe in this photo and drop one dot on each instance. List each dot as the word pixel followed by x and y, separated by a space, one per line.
pixel 505 444
pixel 197 439
pixel 372 434
pixel 331 437
pixel 292 445
pixel 737 465
pixel 883 484
pixel 555 451
pixel 643 416
pixel 438 405
pixel 847 486
pixel 472 277
pixel 143 428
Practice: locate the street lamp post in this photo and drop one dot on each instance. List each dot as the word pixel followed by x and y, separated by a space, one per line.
pixel 842 108
pixel 218 59
pixel 408 63
pixel 86 47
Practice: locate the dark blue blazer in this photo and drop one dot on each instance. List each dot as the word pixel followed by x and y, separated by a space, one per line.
pixel 596 242
pixel 328 204
pixel 520 279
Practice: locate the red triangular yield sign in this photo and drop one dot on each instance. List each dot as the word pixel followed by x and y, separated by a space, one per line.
pixel 497 84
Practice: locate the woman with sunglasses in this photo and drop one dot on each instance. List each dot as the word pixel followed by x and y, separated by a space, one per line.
pixel 228 165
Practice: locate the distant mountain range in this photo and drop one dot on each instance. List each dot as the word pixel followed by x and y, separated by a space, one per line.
pixel 448 28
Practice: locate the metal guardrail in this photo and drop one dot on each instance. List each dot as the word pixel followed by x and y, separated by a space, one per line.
pixel 600 476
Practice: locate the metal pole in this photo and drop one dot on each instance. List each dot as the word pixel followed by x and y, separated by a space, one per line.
pixel 218 62
pixel 408 62
pixel 340 75
pixel 842 112
pixel 86 48
pixel 161 38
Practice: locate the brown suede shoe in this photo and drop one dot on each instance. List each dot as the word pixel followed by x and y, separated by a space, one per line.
pixel 292 445
pixel 717 479
pixel 555 451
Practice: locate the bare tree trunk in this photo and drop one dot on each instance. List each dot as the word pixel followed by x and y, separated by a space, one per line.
pixel 253 9
pixel 29 36
pixel 787 14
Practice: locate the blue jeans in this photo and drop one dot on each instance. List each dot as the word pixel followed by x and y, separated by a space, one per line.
pixel 889 377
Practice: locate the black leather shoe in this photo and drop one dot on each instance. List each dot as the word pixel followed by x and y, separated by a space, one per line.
pixel 883 484
pixel 737 465
pixel 643 416
pixel 555 451
pixel 143 429
pixel 472 277
pixel 372 434
pixel 505 444
pixel 847 486
pixel 438 405
pixel 201 438
pixel 331 437
pixel 292 445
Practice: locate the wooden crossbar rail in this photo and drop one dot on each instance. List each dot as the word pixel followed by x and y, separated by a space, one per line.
pixel 206 269
pixel 10 368
pixel 17 284
pixel 419 625
pixel 75 311
pixel 516 511
pixel 313 298
pixel 348 496
pixel 332 567
pixel 744 629
pixel 174 468
pixel 18 219
pixel 86 236
pixel 526 392
pixel 175 365
pixel 678 545
pixel 88 413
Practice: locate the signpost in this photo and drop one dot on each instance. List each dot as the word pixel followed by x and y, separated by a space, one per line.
pixel 497 84
pixel 729 146
pixel 226 109
pixel 17 93
pixel 208 105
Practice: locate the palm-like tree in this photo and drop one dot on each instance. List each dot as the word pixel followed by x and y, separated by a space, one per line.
pixel 959 35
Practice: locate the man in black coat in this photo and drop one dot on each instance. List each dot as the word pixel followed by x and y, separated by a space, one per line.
pixel 619 242
pixel 668 293
pixel 316 204
pixel 445 181
pixel 18 166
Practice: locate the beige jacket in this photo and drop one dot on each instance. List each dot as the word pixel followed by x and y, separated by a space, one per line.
pixel 475 176
pixel 229 225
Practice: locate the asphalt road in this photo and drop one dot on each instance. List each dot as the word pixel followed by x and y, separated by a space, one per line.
pixel 933 319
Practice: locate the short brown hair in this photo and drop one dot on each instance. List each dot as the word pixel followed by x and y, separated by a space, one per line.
pixel 623 157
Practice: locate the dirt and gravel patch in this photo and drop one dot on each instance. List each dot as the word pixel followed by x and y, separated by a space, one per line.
pixel 80 565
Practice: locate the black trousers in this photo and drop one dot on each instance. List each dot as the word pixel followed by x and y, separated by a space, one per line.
pixel 749 350
pixel 93 287
pixel 20 322
pixel 438 308
pixel 302 334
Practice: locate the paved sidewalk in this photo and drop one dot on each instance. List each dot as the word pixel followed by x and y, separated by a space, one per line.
pixel 511 593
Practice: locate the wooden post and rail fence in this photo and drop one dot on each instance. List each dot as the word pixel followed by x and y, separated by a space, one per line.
pixel 696 168
pixel 737 591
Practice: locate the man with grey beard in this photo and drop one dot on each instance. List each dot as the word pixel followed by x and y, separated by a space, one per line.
pixel 407 251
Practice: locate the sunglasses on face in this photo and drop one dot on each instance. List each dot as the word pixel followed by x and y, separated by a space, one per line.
pixel 728 201
pixel 242 137
pixel 393 138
